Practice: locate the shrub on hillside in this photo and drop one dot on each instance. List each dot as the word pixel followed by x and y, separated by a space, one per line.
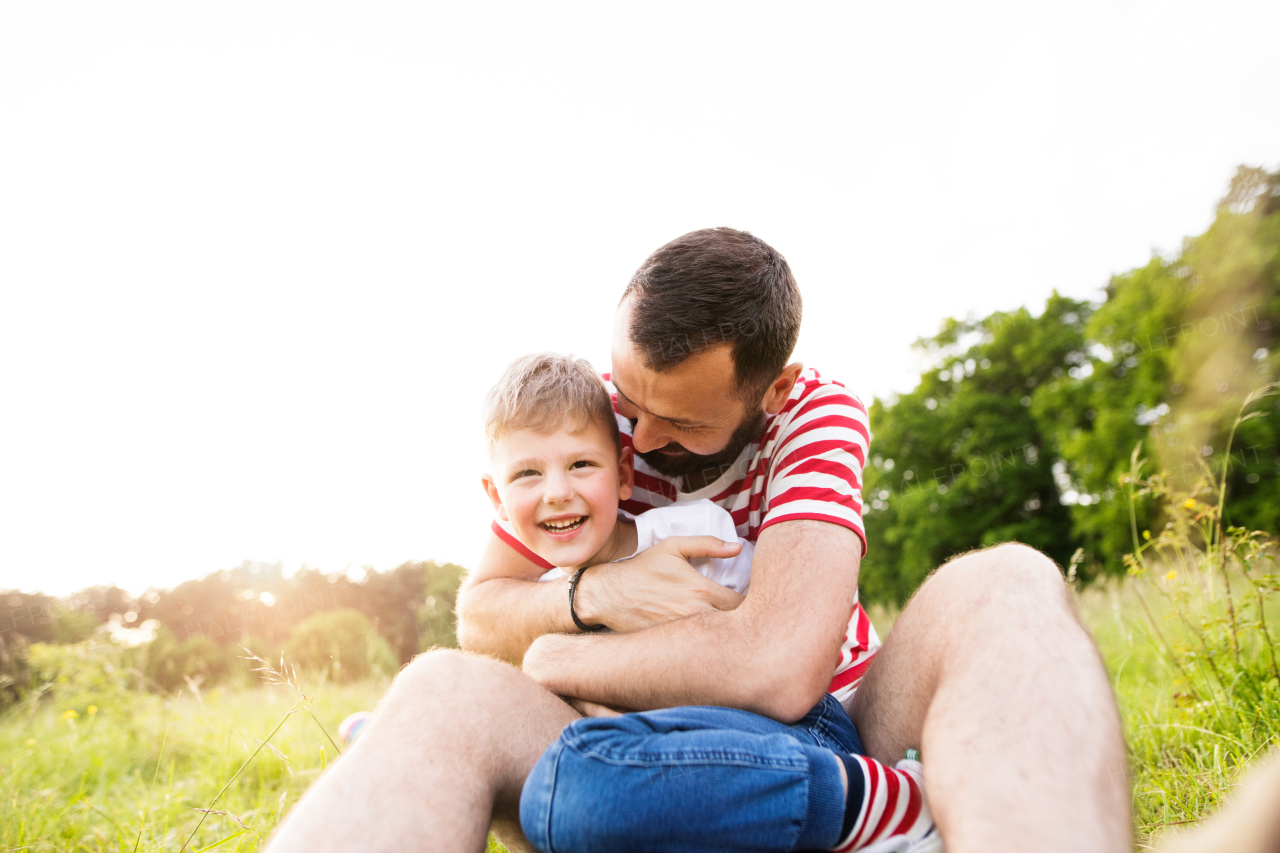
pixel 164 663
pixel 91 672
pixel 341 643
pixel 15 672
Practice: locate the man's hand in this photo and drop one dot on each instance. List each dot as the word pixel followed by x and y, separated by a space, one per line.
pixel 547 658
pixel 593 709
pixel 656 586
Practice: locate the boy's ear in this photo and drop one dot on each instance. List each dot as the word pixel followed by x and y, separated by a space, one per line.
pixel 626 473
pixel 491 489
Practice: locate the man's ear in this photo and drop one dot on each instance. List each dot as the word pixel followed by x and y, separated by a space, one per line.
pixel 780 389
pixel 491 489
pixel 626 473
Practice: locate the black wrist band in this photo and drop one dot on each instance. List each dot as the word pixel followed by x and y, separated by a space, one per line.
pixel 573 587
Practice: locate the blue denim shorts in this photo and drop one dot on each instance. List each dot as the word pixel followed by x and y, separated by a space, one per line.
pixel 695 778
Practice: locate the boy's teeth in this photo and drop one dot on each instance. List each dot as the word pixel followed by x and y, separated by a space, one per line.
pixel 565 524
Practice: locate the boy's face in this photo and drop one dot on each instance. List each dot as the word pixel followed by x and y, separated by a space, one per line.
pixel 560 490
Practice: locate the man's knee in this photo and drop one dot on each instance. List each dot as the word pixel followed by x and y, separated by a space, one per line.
pixel 1007 572
pixel 447 672
pixel 434 665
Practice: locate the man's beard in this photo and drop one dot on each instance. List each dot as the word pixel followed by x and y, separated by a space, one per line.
pixel 685 464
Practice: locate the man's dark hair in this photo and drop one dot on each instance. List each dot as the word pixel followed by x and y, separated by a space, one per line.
pixel 711 287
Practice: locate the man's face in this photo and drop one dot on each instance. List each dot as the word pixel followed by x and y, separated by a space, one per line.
pixel 688 419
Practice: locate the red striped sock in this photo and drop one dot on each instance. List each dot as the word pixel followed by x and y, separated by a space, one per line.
pixel 892 803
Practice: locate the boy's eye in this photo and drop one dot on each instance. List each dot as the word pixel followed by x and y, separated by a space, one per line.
pixel 528 472
pixel 581 463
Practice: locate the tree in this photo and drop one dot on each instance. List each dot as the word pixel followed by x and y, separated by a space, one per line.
pixel 961 462
pixel 1023 427
pixel 341 643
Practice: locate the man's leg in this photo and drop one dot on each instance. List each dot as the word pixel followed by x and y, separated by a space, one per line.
pixel 444 757
pixel 989 673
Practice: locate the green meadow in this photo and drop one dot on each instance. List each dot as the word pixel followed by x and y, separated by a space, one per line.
pixel 108 769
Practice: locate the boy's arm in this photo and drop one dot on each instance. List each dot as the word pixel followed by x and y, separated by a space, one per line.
pixel 503 608
pixel 774 655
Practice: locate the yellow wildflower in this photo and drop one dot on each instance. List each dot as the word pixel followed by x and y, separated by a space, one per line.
pixel 93 709
pixel 31 741
pixel 1170 575
pixel 69 715
pixel 1146 534
pixel 1190 504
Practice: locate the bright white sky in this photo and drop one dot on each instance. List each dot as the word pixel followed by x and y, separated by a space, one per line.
pixel 259 262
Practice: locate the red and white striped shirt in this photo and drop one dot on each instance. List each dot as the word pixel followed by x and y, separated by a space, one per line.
pixel 808 465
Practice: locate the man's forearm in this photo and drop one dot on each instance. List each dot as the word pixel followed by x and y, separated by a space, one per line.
pixel 713 658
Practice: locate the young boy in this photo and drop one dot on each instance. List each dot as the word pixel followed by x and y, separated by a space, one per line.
pixel 558 472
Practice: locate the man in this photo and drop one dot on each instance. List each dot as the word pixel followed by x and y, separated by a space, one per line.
pixel 987 671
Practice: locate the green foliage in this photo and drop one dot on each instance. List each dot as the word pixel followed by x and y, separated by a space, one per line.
pixel 167 664
pixel 41 618
pixel 202 624
pixel 435 622
pixel 77 675
pixel 15 671
pixel 1178 344
pixel 411 606
pixel 1023 426
pixel 963 461
pixel 342 644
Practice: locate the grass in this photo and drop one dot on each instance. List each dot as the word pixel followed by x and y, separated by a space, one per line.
pixel 133 774
pixel 1187 742
pixel 133 771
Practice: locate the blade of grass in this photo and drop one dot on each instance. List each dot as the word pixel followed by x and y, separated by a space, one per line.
pixel 223 841
pixel 236 776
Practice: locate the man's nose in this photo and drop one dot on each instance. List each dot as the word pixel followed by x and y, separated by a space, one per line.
pixel 648 434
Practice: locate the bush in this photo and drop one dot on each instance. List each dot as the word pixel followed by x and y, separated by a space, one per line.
pixel 166 664
pixel 91 672
pixel 340 643
pixel 15 672
pixel 72 626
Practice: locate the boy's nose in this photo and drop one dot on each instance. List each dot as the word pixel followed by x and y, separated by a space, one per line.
pixel 557 490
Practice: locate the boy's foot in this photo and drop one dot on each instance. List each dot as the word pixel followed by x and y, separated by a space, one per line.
pixel 931 843
pixel 350 728
pixel 892 815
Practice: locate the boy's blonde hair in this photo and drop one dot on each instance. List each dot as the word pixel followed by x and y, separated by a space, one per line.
pixel 545 390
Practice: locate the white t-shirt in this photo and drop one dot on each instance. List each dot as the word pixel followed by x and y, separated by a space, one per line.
pixel 695 518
